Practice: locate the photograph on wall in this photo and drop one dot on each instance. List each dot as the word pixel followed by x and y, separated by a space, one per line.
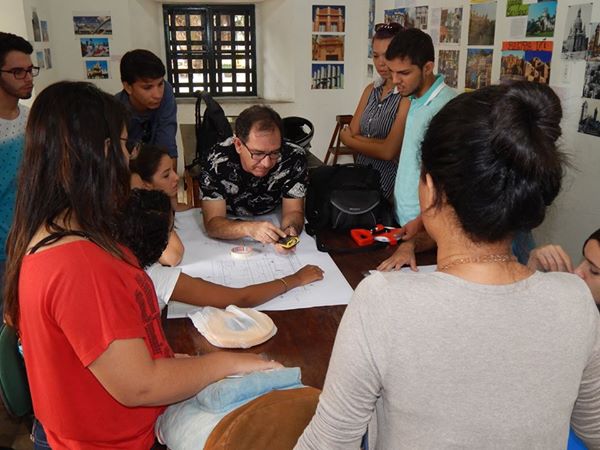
pixel 371 23
pixel 48 58
pixel 35 23
pixel 369 70
pixel 479 68
pixel 526 61
pixel 44 30
pixel 448 66
pixel 328 19
pixel 450 25
pixel 593 53
pixel 96 69
pixel 39 56
pixel 94 47
pixel 327 47
pixel 516 8
pixel 589 121
pixel 482 24
pixel 86 25
pixel 327 76
pixel 591 81
pixel 541 19
pixel 418 15
pixel 576 35
pixel 398 15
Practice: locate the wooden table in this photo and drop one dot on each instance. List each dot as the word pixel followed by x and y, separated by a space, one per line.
pixel 305 336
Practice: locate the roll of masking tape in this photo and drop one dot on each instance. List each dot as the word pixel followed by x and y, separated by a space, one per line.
pixel 241 251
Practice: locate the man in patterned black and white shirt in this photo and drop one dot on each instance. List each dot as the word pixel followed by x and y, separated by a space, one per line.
pixel 251 174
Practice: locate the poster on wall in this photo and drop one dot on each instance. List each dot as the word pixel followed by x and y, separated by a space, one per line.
pixel 327 76
pixel 591 81
pixel 589 122
pixel 327 47
pixel 450 25
pixel 479 68
pixel 526 60
pixel 448 66
pixel 329 19
pixel 413 17
pixel 576 40
pixel 369 70
pixel 96 69
pixel 398 15
pixel 593 53
pixel 92 24
pixel 35 23
pixel 371 23
pixel 48 58
pixel 94 47
pixel 516 8
pixel 482 24
pixel 44 30
pixel 39 56
pixel 541 19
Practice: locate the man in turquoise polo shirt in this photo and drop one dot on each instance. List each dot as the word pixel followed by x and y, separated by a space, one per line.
pixel 410 59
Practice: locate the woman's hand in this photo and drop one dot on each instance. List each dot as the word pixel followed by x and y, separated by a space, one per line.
pixel 550 258
pixel 308 274
pixel 251 362
pixel 412 228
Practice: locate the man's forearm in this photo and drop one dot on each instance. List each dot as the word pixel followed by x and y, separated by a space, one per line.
pixel 293 219
pixel 422 242
pixel 224 228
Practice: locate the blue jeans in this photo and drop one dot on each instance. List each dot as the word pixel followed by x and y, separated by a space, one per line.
pixel 38 436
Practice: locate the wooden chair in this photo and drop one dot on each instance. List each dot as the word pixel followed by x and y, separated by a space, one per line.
pixel 335 147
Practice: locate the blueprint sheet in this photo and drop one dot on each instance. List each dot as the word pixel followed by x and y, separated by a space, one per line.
pixel 211 260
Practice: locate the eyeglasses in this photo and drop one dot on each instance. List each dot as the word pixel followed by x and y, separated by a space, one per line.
pixel 19 73
pixel 133 147
pixel 259 156
pixel 390 28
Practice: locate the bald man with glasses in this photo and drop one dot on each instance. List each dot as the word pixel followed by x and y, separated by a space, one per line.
pixel 16 83
pixel 251 174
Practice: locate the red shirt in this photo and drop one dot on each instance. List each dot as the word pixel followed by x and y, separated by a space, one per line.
pixel 76 299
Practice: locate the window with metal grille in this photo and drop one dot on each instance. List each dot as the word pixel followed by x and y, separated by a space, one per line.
pixel 211 48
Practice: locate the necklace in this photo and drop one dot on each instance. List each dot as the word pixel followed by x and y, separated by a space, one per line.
pixel 503 257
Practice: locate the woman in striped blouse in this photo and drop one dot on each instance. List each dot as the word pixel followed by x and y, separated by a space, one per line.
pixel 377 127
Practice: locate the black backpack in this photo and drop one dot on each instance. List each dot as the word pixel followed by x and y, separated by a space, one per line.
pixel 211 128
pixel 345 196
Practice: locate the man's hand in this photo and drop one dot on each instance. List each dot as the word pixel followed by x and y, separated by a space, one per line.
pixel 265 232
pixel 404 255
pixel 412 228
pixel 289 231
pixel 550 258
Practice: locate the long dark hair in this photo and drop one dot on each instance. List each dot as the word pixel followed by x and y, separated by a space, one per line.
pixel 147 161
pixel 595 236
pixel 74 165
pixel 493 156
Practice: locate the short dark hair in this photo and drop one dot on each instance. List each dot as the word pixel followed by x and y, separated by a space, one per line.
pixel 595 236
pixel 137 64
pixel 265 117
pixel 493 157
pixel 413 44
pixel 11 42
pixel 147 161
pixel 145 224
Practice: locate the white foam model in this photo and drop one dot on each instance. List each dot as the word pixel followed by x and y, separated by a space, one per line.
pixel 233 327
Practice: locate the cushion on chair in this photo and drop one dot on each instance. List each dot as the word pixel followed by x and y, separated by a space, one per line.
pixel 14 387
pixel 273 421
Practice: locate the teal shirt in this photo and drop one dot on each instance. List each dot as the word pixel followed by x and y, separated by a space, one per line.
pixel 12 134
pixel 422 109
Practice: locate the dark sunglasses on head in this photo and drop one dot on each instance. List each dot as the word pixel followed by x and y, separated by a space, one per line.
pixel 391 27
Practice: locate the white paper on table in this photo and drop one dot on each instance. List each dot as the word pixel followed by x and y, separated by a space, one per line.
pixel 211 260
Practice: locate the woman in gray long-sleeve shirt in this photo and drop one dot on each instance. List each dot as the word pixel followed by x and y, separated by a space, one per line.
pixel 483 353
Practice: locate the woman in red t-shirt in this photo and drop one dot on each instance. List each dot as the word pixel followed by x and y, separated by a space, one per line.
pixel 99 366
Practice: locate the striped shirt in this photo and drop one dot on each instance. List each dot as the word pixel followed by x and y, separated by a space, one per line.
pixel 376 122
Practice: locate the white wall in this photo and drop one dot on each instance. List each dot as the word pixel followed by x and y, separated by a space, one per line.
pixel 284 63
